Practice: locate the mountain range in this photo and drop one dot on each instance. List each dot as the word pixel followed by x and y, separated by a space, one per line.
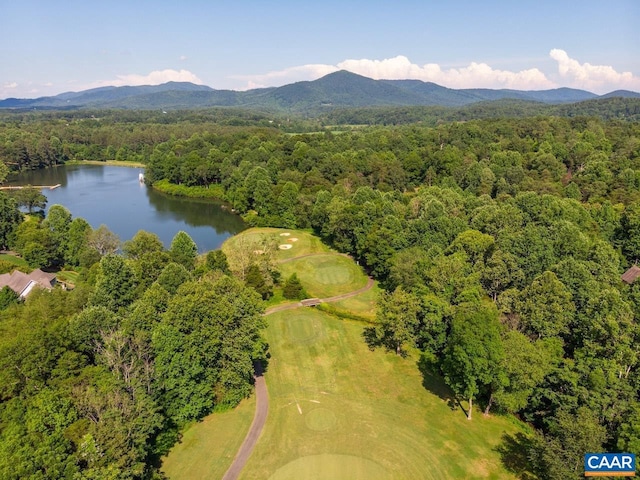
pixel 338 89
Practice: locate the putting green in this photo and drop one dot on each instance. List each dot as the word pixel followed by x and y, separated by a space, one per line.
pixel 305 330
pixel 326 275
pixel 329 466
pixel 320 419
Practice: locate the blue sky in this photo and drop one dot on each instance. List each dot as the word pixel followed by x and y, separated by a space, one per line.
pixel 51 46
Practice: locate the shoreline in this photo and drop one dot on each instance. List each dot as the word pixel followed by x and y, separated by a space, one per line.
pixel 111 163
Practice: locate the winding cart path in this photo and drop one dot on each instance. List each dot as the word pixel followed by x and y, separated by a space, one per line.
pixel 259 419
pixel 262 396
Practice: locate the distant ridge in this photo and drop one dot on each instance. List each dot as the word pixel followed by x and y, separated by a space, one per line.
pixel 622 94
pixel 338 89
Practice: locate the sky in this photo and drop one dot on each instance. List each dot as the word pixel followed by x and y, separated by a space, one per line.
pixel 52 46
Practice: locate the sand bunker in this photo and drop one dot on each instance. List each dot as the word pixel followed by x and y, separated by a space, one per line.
pixel 285 234
pixel 292 239
pixel 285 246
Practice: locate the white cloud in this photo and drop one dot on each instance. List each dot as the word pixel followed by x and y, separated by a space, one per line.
pixel 475 75
pixel 154 78
pixel 8 89
pixel 183 58
pixel 596 78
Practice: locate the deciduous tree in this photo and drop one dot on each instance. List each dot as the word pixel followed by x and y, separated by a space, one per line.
pixel 141 243
pixel 397 319
pixel 472 361
pixel 115 285
pixel 546 307
pixel 103 240
pixel 10 218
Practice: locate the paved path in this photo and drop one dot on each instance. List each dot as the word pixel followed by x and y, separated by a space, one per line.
pixel 343 296
pixel 337 298
pixel 286 260
pixel 259 418
pixel 262 398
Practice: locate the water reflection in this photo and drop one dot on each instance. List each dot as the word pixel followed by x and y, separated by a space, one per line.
pixel 113 196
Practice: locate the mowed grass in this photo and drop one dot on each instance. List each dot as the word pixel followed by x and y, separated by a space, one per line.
pixel 17 261
pixel 325 275
pixel 338 410
pixel 322 271
pixel 68 276
pixel 207 448
pixel 304 244
pixel 363 304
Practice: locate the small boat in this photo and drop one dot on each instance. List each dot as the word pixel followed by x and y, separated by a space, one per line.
pixel 141 177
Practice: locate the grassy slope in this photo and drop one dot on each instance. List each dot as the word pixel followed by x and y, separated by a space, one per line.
pixel 17 261
pixel 68 276
pixel 363 411
pixel 363 304
pixel 207 448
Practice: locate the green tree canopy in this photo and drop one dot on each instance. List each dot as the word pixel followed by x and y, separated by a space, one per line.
pixel 472 361
pixel 115 285
pixel 293 289
pixel 172 276
pixel 217 260
pixel 141 243
pixel 30 197
pixel 545 307
pixel 10 218
pixel 183 250
pixel 397 319
pixel 204 346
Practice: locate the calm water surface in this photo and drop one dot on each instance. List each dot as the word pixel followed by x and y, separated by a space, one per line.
pixel 113 196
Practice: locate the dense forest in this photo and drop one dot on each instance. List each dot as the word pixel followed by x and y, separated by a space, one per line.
pixel 97 382
pixel 39 139
pixel 499 242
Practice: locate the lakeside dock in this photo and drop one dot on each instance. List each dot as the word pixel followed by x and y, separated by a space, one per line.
pixel 39 187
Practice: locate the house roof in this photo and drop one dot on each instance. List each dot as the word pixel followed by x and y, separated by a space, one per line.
pixel 631 275
pixel 43 278
pixel 19 281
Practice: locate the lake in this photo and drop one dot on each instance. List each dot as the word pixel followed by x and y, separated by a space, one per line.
pixel 111 195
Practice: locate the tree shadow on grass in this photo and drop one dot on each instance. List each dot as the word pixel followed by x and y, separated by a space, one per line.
pixel 370 337
pixel 435 384
pixel 261 363
pixel 373 341
pixel 514 453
